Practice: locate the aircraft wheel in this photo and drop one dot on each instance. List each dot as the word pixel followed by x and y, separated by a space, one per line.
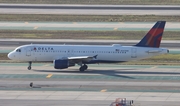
pixel 85 67
pixel 82 69
pixel 31 84
pixel 29 68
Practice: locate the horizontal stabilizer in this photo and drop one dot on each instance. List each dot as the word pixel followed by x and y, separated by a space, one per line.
pixel 153 51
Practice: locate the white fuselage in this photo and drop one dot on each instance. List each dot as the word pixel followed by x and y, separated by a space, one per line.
pixel 114 53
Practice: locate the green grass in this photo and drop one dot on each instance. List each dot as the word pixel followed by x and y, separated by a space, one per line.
pixel 166 59
pixel 3 56
pixel 105 35
pixel 87 18
pixel 114 2
pixel 143 62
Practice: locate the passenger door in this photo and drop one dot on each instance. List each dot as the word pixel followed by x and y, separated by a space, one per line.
pixel 28 51
pixel 133 53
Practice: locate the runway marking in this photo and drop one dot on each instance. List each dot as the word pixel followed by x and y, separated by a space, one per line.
pixel 49 75
pixel 46 65
pixel 103 90
pixel 26 23
pixel 36 27
pixel 115 28
pixel 154 67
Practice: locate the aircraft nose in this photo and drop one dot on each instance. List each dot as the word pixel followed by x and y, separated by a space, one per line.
pixel 10 56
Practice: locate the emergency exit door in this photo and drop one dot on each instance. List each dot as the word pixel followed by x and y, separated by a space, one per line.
pixel 70 52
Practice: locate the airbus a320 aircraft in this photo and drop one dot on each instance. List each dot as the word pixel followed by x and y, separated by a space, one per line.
pixel 64 56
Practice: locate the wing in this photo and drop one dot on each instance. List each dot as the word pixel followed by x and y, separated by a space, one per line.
pixel 82 58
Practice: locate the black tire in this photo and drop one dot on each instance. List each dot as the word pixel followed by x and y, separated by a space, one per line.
pixel 85 67
pixel 29 68
pixel 31 84
pixel 81 69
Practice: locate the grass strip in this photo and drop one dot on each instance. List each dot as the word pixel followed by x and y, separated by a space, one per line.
pixel 87 18
pixel 105 35
pixel 114 2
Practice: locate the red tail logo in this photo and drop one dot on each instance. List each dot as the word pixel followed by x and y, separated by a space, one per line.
pixel 153 37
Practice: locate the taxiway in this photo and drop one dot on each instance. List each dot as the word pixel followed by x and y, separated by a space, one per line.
pixel 99 86
pixel 89 9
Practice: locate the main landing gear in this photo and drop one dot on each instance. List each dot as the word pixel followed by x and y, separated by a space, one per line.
pixel 83 68
pixel 29 67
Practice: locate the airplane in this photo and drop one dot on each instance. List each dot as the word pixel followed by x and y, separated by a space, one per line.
pixel 64 56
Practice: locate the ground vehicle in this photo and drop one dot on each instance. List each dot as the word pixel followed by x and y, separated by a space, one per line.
pixel 122 102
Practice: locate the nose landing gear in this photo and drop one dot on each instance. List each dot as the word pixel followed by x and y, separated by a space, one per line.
pixel 29 67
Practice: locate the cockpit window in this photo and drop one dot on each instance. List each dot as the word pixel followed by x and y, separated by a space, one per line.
pixel 18 50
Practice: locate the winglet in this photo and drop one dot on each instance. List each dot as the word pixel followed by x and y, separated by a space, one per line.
pixel 153 37
pixel 95 56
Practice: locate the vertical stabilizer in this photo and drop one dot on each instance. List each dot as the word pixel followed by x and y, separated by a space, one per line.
pixel 153 37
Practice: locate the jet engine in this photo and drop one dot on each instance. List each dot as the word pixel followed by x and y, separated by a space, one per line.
pixel 62 64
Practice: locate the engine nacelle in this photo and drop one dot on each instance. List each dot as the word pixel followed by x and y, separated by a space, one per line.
pixel 62 64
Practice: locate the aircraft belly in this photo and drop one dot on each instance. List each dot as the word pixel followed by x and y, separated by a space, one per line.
pixel 42 58
pixel 112 57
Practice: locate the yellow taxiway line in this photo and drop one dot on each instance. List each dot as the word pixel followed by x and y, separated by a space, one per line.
pixel 49 75
pixel 103 90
